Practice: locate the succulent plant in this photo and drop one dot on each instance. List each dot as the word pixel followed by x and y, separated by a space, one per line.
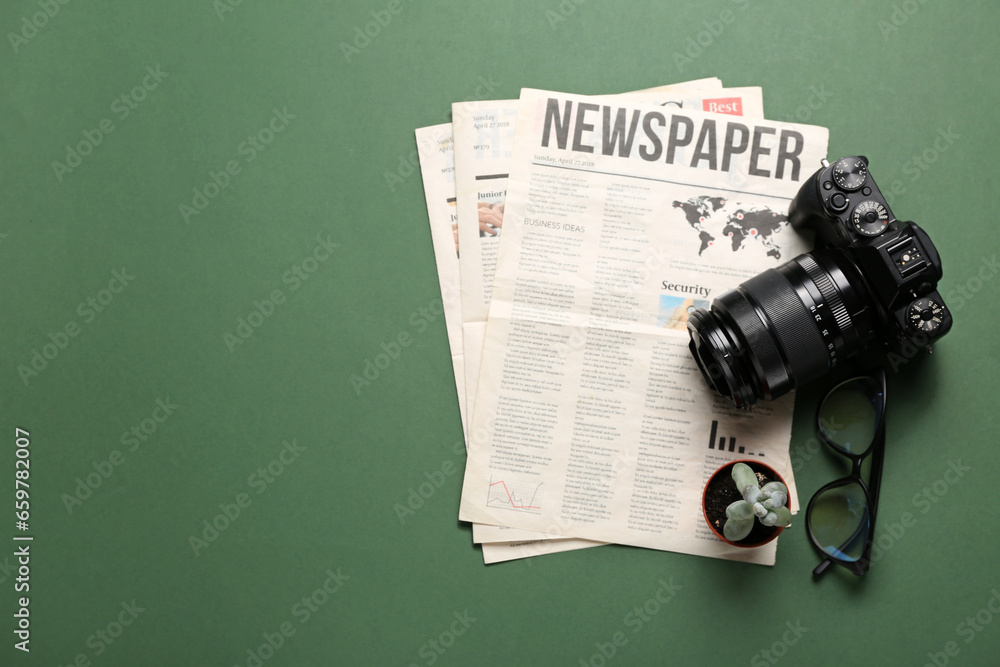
pixel 767 503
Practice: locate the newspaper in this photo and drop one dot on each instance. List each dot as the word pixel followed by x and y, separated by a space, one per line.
pixel 438 173
pixel 483 153
pixel 483 146
pixel 591 419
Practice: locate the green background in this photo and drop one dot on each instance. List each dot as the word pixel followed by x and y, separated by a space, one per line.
pixel 325 175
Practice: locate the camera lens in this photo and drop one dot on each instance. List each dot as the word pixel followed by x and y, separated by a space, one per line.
pixel 782 328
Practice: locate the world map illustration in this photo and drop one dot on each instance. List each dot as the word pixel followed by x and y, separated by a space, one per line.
pixel 738 222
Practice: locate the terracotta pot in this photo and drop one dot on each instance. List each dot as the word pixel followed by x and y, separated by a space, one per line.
pixel 726 472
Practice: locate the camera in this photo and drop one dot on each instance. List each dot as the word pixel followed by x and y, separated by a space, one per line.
pixel 869 283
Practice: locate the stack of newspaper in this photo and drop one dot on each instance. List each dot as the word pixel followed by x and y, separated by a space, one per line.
pixel 573 236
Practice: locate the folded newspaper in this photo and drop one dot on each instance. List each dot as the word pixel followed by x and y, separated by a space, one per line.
pixel 572 236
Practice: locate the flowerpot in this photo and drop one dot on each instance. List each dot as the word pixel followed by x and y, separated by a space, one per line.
pixel 720 491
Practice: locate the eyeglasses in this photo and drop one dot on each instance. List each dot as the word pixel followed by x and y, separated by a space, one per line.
pixel 840 518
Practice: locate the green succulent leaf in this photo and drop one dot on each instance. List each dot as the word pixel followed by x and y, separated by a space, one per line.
pixel 777 494
pixel 746 482
pixel 784 517
pixel 739 510
pixel 735 529
pixel 739 521
pixel 779 517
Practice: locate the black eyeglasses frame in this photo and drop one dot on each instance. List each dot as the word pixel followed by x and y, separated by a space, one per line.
pixel 871 490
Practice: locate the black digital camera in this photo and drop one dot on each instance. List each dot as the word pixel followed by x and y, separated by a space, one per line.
pixel 871 281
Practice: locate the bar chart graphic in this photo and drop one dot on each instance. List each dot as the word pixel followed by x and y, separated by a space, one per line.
pixel 718 442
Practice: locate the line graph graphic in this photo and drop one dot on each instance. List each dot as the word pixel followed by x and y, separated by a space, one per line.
pixel 512 494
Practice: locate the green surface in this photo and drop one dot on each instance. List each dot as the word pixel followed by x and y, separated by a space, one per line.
pixel 345 124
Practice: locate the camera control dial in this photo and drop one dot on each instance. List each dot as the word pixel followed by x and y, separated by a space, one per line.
pixel 850 173
pixel 870 218
pixel 925 315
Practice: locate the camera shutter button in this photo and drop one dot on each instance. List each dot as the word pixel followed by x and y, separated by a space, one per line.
pixel 838 201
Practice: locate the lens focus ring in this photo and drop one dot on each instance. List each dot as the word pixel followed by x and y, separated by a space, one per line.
pixel 791 323
pixel 830 295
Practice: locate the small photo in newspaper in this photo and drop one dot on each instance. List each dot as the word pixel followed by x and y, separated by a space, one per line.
pixel 491 213
pixel 675 310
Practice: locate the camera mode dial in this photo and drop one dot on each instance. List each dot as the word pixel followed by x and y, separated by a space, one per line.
pixel 925 315
pixel 850 173
pixel 870 218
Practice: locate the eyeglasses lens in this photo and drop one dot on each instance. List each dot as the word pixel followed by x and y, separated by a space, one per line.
pixel 839 520
pixel 849 415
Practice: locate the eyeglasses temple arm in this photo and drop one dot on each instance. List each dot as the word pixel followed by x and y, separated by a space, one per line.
pixel 821 568
pixel 878 456
pixel 875 480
